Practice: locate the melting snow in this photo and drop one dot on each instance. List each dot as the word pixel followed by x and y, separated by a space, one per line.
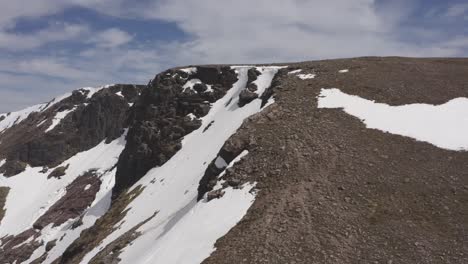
pixel 58 117
pixel 190 70
pixel 93 90
pixel 190 83
pixel 343 71
pixel 295 71
pixel 55 101
pixel 306 76
pixel 16 117
pixel 183 230
pixel 445 125
pixel 23 210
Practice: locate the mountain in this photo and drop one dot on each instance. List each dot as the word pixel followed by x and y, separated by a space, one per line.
pixel 358 160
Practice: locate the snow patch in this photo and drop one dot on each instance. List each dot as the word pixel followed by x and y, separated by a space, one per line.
pixel 55 101
pixel 295 71
pixel 23 210
pixel 93 90
pixel 58 118
pixel 190 83
pixel 14 118
pixel 306 76
pixel 343 71
pixel 220 163
pixel 120 94
pixel 191 70
pixel 445 125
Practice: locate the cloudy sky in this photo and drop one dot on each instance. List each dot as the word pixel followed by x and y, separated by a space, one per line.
pixel 48 47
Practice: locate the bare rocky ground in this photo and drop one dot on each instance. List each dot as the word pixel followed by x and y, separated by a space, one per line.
pixel 333 191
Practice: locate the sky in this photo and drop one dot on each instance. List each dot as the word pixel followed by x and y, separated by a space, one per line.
pixel 49 47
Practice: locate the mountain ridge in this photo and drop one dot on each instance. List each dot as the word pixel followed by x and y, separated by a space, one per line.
pixel 229 164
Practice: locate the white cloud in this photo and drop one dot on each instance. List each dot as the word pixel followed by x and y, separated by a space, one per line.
pixel 457 10
pixel 111 38
pixel 54 33
pixel 277 30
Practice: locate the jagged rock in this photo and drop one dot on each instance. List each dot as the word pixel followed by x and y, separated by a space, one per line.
pixel 50 245
pixel 79 196
pixel 252 87
pixel 16 249
pixel 275 84
pixel 246 97
pixel 159 120
pixel 233 182
pixel 102 117
pixel 214 195
pixel 58 172
pixel 2 118
pixel 252 75
pixel 230 150
pixel 12 167
pixel 200 87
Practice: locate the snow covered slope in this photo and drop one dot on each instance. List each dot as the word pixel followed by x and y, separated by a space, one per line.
pixel 164 220
pixel 226 164
pixel 172 197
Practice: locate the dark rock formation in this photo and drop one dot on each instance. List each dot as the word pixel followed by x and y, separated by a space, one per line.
pixel 101 117
pixel 58 172
pixel 246 97
pixel 252 75
pixel 17 249
pixel 12 167
pixel 50 245
pixel 160 121
pixel 230 150
pixel 80 194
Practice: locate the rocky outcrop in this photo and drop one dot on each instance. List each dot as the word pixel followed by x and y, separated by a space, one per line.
pixel 161 118
pixel 19 248
pixel 248 95
pixel 230 150
pixel 79 196
pixel 103 116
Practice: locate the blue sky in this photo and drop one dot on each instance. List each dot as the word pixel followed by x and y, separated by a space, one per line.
pixel 48 47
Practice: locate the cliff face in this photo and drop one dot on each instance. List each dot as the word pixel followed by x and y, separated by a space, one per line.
pixel 62 128
pixel 341 161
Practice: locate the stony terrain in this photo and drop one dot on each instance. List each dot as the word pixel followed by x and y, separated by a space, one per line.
pixel 333 191
pixel 327 189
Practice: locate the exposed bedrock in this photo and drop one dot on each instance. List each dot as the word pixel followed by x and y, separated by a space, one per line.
pixel 101 117
pixel 161 118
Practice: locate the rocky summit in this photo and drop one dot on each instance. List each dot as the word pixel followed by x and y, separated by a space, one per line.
pixel 358 160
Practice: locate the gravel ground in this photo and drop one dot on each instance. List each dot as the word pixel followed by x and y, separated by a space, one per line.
pixel 333 191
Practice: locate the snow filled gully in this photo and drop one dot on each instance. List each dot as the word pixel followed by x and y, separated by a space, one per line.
pixel 445 125
pixel 22 211
pixel 184 230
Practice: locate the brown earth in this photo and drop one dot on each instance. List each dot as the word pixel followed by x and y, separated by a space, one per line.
pixel 332 191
